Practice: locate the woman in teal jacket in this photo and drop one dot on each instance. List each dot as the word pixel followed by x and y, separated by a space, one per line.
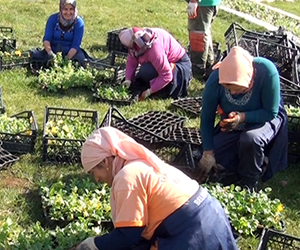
pixel 252 137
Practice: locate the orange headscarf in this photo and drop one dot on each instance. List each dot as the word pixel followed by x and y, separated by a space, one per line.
pixel 109 141
pixel 236 68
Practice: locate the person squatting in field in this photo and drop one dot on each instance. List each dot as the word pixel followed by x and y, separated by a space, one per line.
pixel 153 204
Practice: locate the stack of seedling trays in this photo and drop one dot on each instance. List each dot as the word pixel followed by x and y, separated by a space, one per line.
pixel 19 132
pixel 111 73
pixel 7 39
pixel 15 59
pixel 273 46
pixel 113 42
pixel 187 135
pixel 191 105
pixel 6 158
pixel 65 130
pixel 152 130
pixel 271 239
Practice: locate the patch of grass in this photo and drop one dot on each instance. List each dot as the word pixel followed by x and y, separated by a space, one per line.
pixel 19 192
pixel 291 7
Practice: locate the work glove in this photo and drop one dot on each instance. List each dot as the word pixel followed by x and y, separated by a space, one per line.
pixel 127 83
pixel 87 244
pixel 192 9
pixel 232 122
pixel 205 165
pixel 145 94
pixel 51 55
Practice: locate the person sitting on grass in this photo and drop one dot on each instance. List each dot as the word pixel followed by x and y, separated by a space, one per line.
pixel 151 202
pixel 63 33
pixel 165 68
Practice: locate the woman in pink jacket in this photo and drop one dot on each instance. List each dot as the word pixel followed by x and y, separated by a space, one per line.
pixel 165 68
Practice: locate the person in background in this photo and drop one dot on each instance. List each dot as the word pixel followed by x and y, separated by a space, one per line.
pixel 165 67
pixel 63 33
pixel 251 138
pixel 201 14
pixel 151 202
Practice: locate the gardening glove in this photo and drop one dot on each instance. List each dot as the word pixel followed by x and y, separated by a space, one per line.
pixel 51 55
pixel 192 9
pixel 127 83
pixel 232 122
pixel 87 244
pixel 145 94
pixel 205 165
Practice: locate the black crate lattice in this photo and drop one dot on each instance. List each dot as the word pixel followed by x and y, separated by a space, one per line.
pixel 60 150
pixel 24 141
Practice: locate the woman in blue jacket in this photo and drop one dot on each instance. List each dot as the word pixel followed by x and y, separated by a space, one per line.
pixel 63 33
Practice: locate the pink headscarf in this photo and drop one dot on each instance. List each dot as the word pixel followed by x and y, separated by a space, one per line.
pixel 137 40
pixel 236 68
pixel 109 141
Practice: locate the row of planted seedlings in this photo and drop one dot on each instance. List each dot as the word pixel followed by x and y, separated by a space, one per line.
pixel 101 76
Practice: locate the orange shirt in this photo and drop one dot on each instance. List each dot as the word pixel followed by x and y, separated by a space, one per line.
pixel 143 197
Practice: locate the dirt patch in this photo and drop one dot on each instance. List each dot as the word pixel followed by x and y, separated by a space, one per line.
pixel 13 182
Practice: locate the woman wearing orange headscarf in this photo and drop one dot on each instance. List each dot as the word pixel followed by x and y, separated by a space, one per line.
pixel 253 127
pixel 151 201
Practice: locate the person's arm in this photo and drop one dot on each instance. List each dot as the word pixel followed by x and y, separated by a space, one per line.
pixel 48 35
pixel 120 238
pixel 131 66
pixel 160 62
pixel 270 95
pixel 210 101
pixel 77 39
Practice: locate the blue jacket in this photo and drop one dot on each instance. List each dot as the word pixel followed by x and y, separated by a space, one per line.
pixel 63 40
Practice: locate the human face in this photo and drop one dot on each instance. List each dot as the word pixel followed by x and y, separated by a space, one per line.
pixel 68 11
pixel 103 171
pixel 235 89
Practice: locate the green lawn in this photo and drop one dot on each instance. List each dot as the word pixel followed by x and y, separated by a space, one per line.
pixel 291 7
pixel 19 183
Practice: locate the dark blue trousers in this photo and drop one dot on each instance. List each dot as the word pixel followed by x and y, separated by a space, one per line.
pixel 244 151
pixel 175 89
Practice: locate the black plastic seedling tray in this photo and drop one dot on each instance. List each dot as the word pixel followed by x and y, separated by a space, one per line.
pixel 11 62
pixel 192 105
pixel 274 240
pixel 152 130
pixel 6 158
pixel 24 141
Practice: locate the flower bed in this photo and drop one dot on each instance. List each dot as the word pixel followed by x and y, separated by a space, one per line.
pixel 248 211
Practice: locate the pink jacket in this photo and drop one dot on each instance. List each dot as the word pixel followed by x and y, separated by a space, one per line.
pixel 165 50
